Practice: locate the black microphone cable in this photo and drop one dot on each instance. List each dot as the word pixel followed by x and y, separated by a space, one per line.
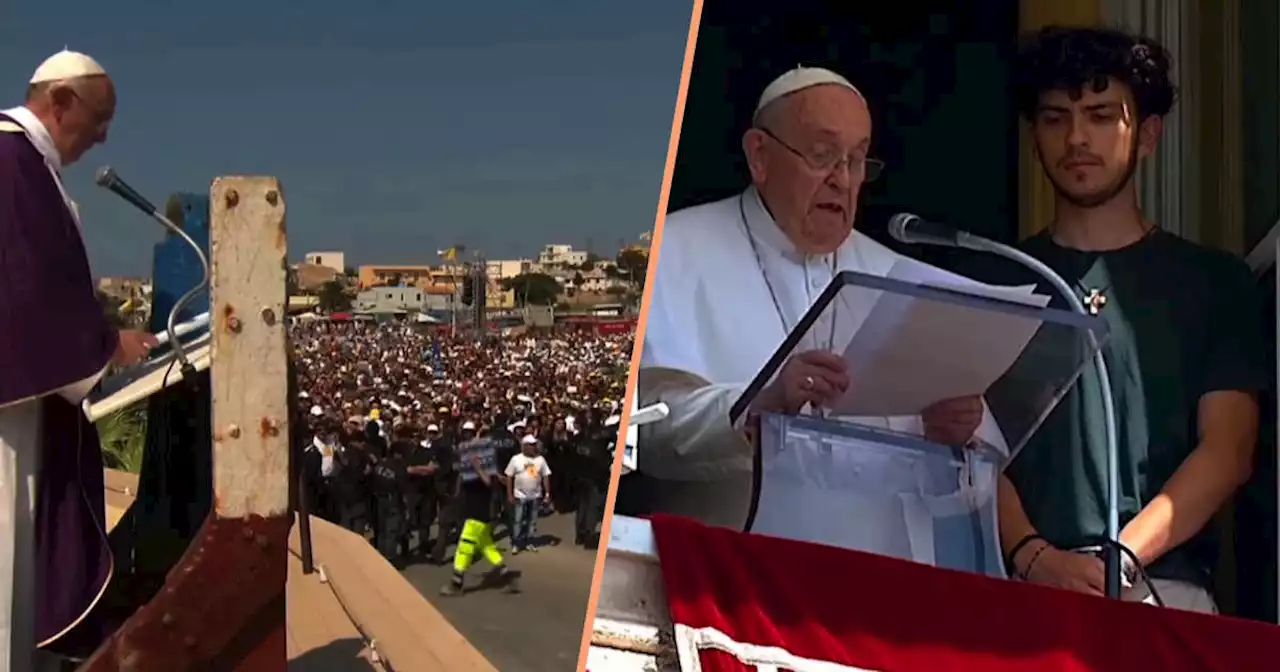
pixel 1101 543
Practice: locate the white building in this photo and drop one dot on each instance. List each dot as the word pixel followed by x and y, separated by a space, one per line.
pixel 387 299
pixel 552 255
pixel 503 269
pixel 335 260
pixel 596 280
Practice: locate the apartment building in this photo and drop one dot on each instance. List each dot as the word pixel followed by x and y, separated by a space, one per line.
pixel 335 260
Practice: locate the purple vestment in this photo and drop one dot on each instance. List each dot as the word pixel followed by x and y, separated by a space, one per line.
pixel 53 333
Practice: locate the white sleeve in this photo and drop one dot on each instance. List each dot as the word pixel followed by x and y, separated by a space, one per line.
pixel 695 442
pixel 77 391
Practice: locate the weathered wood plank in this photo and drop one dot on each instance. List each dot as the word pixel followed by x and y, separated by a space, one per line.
pixel 249 369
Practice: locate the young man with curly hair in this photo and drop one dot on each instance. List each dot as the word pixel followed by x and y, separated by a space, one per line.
pixel 1186 348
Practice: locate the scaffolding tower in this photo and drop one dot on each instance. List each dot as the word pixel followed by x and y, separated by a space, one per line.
pixel 479 279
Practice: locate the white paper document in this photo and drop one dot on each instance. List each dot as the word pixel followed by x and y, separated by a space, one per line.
pixel 910 353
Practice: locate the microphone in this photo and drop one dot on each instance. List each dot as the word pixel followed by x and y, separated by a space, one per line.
pixel 108 179
pixel 913 230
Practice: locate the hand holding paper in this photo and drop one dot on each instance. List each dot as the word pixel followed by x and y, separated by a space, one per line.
pixel 952 422
pixel 815 377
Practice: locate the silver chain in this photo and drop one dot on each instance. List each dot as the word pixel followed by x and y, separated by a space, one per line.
pixel 777 305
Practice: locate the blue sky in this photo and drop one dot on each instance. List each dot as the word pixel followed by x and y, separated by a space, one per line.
pixel 397 130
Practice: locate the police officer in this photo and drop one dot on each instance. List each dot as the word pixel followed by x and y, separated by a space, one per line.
pixel 505 446
pixel 447 489
pixel 375 446
pixel 558 446
pixel 595 462
pixel 390 480
pixel 349 485
pixel 420 499
pixel 313 481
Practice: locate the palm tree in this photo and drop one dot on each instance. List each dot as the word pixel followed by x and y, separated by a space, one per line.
pixel 123 435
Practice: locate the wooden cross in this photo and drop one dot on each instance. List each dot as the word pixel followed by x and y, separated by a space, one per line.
pixel 1095 301
pixel 238 564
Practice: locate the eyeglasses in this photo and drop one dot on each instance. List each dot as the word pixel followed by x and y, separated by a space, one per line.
pixel 826 162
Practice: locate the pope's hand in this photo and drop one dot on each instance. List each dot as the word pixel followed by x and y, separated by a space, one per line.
pixel 815 377
pixel 952 422
pixel 133 347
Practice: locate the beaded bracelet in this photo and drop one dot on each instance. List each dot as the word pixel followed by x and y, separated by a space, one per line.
pixel 1022 543
pixel 1026 574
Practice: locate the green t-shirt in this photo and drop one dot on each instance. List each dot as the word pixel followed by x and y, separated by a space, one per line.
pixel 1184 321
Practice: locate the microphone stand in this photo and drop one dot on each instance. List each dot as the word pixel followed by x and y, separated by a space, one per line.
pixel 107 179
pixel 1111 553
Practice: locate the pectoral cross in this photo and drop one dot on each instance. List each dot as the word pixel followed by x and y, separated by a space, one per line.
pixel 1094 301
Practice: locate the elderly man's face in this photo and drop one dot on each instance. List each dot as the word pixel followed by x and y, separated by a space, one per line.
pixel 808 159
pixel 82 111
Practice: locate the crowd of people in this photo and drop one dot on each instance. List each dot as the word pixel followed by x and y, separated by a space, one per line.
pixel 422 440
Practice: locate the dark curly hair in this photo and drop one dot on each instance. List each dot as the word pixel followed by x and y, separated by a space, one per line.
pixel 1062 58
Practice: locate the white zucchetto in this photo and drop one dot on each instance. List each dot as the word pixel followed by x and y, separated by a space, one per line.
pixel 798 79
pixel 66 65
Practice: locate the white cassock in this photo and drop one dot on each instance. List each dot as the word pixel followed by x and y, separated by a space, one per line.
pixel 712 325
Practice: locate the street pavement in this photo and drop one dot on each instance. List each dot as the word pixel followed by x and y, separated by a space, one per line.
pixel 536 630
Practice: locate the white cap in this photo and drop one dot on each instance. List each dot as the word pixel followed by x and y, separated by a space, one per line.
pixel 317 411
pixel 529 438
pixel 468 425
pixel 798 79
pixel 66 65
pixel 433 428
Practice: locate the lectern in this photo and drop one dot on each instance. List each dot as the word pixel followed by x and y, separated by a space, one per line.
pixel 866 475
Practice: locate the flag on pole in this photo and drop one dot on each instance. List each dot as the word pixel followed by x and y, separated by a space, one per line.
pixel 451 254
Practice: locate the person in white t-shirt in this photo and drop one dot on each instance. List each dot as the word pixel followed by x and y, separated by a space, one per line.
pixel 528 486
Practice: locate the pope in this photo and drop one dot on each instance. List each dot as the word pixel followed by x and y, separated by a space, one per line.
pixel 55 344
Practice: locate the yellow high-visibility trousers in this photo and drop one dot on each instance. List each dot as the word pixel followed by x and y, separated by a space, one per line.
pixel 476 537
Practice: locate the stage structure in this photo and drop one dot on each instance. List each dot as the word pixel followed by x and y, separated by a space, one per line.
pixel 202 555
pixel 479 279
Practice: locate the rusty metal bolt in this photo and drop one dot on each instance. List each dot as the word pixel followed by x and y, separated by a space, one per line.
pixel 269 316
pixel 233 431
pixel 273 428
pixel 167 620
pixel 233 198
pixel 273 197
pixel 233 323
